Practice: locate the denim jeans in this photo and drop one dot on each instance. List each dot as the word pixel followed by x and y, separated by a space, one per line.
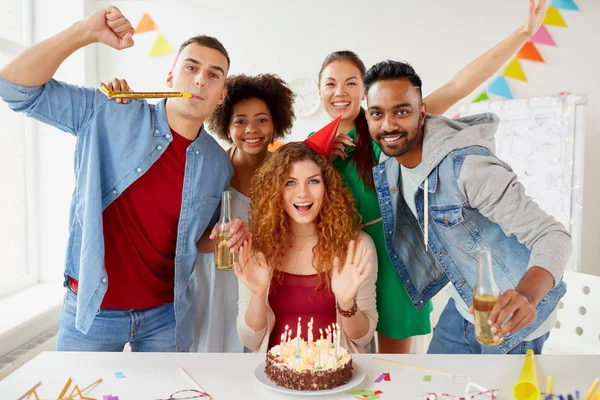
pixel 151 329
pixel 455 335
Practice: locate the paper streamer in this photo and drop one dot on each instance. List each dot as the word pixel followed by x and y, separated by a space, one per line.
pixel 482 97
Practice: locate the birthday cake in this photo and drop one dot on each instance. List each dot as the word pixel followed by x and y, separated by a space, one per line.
pixel 301 365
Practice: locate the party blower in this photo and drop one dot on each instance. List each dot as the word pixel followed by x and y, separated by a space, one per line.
pixel 527 386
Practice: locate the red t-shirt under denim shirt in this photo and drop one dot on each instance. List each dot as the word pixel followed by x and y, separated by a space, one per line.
pixel 140 234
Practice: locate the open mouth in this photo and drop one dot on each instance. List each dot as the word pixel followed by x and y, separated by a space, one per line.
pixel 303 208
pixel 254 141
pixel 392 139
pixel 340 105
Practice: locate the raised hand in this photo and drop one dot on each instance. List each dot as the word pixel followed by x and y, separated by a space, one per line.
pixel 535 16
pixel 254 273
pixel 119 85
pixel 110 27
pixel 339 143
pixel 346 281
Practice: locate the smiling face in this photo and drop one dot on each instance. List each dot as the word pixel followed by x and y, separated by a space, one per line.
pixel 396 116
pixel 251 126
pixel 303 192
pixel 341 89
pixel 201 71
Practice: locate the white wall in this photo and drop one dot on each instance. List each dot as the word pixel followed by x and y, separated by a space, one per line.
pixel 292 38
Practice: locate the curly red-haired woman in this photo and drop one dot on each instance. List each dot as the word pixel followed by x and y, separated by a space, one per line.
pixel 303 223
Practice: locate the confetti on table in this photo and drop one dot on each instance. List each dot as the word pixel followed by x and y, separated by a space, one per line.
pixel 109 397
pixel 119 375
pixel 427 378
pixel 386 377
pixel 380 378
pixel 366 394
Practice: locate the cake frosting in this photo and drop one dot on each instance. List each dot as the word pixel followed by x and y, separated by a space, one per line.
pixel 300 365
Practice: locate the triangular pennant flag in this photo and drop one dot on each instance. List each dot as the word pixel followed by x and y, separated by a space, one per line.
pixel 514 70
pixel 553 18
pixel 542 36
pixel 483 96
pixel 530 52
pixel 458 115
pixel 146 24
pixel 161 47
pixel 564 5
pixel 500 88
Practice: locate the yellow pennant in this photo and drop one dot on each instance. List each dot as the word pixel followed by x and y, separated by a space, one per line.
pixel 553 18
pixel 514 70
pixel 161 47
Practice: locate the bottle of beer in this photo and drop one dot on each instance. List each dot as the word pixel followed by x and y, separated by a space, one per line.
pixel 485 296
pixel 223 257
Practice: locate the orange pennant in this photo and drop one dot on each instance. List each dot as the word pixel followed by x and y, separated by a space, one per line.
pixel 530 52
pixel 146 24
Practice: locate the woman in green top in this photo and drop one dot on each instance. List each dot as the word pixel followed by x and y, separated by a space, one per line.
pixel 341 89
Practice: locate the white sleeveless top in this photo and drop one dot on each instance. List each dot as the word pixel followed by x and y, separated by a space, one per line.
pixel 215 306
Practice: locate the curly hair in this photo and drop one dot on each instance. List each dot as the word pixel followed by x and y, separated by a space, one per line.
pixel 338 220
pixel 267 87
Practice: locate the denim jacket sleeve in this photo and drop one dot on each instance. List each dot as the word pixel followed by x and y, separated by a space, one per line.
pixel 67 107
pixel 494 190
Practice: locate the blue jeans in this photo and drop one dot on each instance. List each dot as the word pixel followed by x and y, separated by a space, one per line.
pixel 151 329
pixel 455 335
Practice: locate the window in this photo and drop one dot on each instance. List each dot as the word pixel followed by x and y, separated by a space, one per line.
pixel 17 271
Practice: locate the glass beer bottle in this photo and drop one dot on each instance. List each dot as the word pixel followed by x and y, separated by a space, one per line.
pixel 485 296
pixel 223 257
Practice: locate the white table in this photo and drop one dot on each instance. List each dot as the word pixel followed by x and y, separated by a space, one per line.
pixel 231 376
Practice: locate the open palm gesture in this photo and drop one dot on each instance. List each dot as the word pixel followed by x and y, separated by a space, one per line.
pixel 254 273
pixel 346 281
pixel 535 16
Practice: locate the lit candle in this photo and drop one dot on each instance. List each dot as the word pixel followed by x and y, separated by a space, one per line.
pixel 328 331
pixel 289 336
pixel 310 335
pixel 299 331
pixel 321 331
pixel 335 341
pixel 318 343
pixel 285 332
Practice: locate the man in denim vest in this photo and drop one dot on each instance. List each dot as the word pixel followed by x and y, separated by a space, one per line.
pixel 443 196
pixel 148 184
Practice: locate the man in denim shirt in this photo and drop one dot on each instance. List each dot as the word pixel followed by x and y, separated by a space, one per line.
pixel 444 195
pixel 148 183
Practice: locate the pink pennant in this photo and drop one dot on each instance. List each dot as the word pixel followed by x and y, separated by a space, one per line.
pixel 542 36
pixel 456 116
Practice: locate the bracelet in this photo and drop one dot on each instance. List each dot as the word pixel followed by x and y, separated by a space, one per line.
pixel 347 313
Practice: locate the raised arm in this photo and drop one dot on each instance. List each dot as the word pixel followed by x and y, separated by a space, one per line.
pixel 483 67
pixel 38 64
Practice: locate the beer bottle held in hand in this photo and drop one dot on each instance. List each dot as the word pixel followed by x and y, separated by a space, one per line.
pixel 223 257
pixel 485 296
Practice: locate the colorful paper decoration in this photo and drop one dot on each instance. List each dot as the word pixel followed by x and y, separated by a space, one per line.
pixel 366 394
pixel 500 88
pixel 383 377
pixel 146 24
pixel 542 36
pixel 553 18
pixel 564 5
pixel 515 71
pixel 161 47
pixel 483 96
pixel 530 52
pixel 119 375
pixel 427 378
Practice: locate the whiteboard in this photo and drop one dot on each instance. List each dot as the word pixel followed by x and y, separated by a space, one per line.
pixel 541 138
